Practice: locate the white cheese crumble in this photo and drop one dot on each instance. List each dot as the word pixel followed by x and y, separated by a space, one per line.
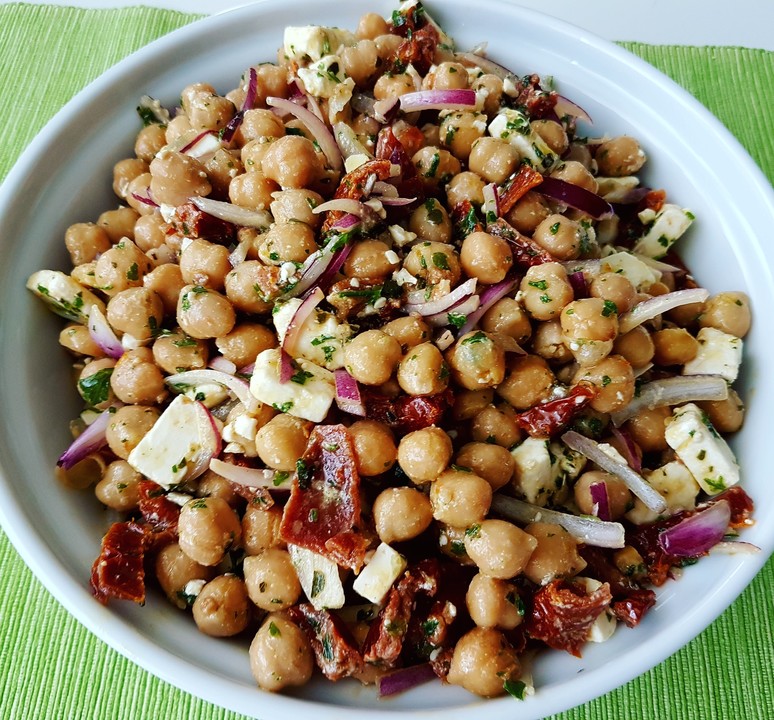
pixel 663 229
pixel 377 577
pixel 719 354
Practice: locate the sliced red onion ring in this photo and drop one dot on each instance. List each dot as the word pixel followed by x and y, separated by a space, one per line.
pixel 286 367
pixel 655 306
pixel 636 483
pixel 586 529
pixel 487 65
pixel 348 393
pixel 354 207
pixel 303 311
pixel 252 90
pixel 145 199
pixel 316 126
pixel 89 441
pixel 697 533
pixel 658 264
pixel 247 476
pixel 630 449
pixel 673 391
pixel 236 386
pixel 487 298
pixel 394 201
pixel 348 142
pixel 491 202
pixel 404 679
pixel 222 364
pixel 576 196
pixel 438 100
pixel 205 143
pixel 103 334
pixel 247 369
pixel 565 106
pixel 321 266
pixel 463 308
pixel 210 442
pixel 243 217
pixel 433 307
pixel 600 500
pixel 239 254
pixel 734 547
pixel 385 190
pixel 580 286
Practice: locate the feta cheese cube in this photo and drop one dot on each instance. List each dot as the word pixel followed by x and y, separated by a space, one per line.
pixel 675 484
pixel 514 126
pixel 313 42
pixel 615 189
pixel 605 624
pixel 719 354
pixel 663 229
pixel 64 295
pixel 638 273
pixel 323 76
pixel 537 474
pixel 377 577
pixel 319 578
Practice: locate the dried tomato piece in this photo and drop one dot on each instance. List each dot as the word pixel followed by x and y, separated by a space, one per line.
pixel 741 506
pixel 563 613
pixel 418 49
pixel 644 539
pixel 547 419
pixel 191 222
pixel 267 282
pixel 465 220
pixel 526 252
pixel 654 200
pixel 324 506
pixel 538 103
pixel 399 152
pixel 157 511
pixel 632 609
pixel 334 649
pixel 406 20
pixel 408 413
pixel 353 186
pixel 119 571
pixel 517 187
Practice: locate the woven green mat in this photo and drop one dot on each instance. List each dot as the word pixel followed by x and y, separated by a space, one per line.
pixel 52 668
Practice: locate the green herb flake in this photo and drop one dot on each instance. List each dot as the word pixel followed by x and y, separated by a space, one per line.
pixel 274 631
pixel 515 688
pixel 440 260
pixel 300 377
pixel 554 229
pixel 429 627
pixel 434 163
pixel 473 531
pixel 610 308
pixel 305 473
pixel 539 284
pixel 95 388
pixel 478 337
pixel 280 477
pixel 318 583
pixel 133 273
pixel 456 320
pixel 313 515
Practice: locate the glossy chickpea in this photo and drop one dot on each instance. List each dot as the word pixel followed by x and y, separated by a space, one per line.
pixel 296 206
pixel 468 403
pixel 139 187
pixel 528 213
pixel 729 312
pixel 493 603
pixel 575 173
pixel 374 445
pixel 529 382
pixel 483 660
pixel 674 346
pixel 647 428
pixel 167 282
pixel 118 223
pixel 281 441
pixel 119 487
pixel 619 156
pixel 93 381
pixel 727 416
pixel 86 242
pixel 244 342
pixel 476 361
pixel 424 454
pixel 409 331
pixel 460 498
pixel 372 356
pixel 177 127
pixel 121 267
pixel 485 257
pixel 619 497
pixel 552 134
pixel 124 171
pixel 465 186
pixel 292 162
pixel 392 85
pixel 272 81
pixel 280 654
pixel 495 425
pixel 459 130
pixel 555 555
pixel 547 342
pixel 261 529
pixel 78 340
pixel 207 528
pixel 434 262
pixel 271 580
pixel 221 168
pixel 493 159
pixel 492 462
pixel 254 189
pixel 176 177
pixel 616 288
pixel 545 291
pixel 589 327
pixel 401 513
pixel 499 548
pixel 149 142
pixel 636 346
pixel 137 380
pixel 507 317
pixel 243 288
pixel 209 111
pixel 361 61
pixel 222 608
pixel 174 570
pixel 559 236
pixel 371 25
pixel 150 232
pixel 203 313
pixel 423 371
pixel 251 154
pixel 177 352
pixel 287 242
pixel 490 87
pixel 259 124
pixel 683 315
pixel 614 380
pixel 436 166
pixel 386 45
pixel 137 312
pixel 127 426
pixel 372 260
pixel 213 485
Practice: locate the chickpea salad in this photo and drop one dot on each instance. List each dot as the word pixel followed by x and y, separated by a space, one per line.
pixel 390 367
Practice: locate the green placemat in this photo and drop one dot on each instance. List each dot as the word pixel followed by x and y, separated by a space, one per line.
pixel 52 668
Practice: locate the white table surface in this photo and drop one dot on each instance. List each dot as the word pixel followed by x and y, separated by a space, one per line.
pixel 749 23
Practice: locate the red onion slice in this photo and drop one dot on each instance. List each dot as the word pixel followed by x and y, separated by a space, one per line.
pixel 348 393
pixel 487 65
pixel 243 217
pixel 487 298
pixel 600 500
pixel 89 441
pixel 103 334
pixel 636 483
pixel 384 110
pixel 317 127
pixel 222 364
pixel 433 307
pixel 252 90
pixel 491 203
pixel 348 142
pixel 698 533
pixel 303 311
pixel 354 207
pixel 576 196
pixel 565 106
pixel 438 100
pixel 655 306
pixel 734 547
pixel 321 266
pixel 580 286
pixel 145 199
pixel 631 451
pixel 586 529
pixel 210 442
pixel 238 387
pixel 247 476
pixel 404 679
pixel 462 308
pixel 286 367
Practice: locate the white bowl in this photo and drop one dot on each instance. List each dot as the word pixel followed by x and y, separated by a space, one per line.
pixel 63 177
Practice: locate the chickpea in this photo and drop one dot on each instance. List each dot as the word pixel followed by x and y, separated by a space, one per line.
pixel 137 312
pixel 149 142
pixel 483 660
pixel 494 603
pixel 222 607
pixel 281 441
pixel 292 162
pixel 374 444
pixel 245 342
pixel 86 242
pixel 493 159
pixel 243 288
pixel 727 416
pixel 387 45
pixel 261 529
pixel 499 548
pixel 296 206
pixel 127 426
pixel 619 156
pixel 167 282
pixel 507 317
pixel 119 487
pixel 546 290
pixel 485 257
pixel 729 312
pixel 253 189
pixel 174 570
pixel 371 260
pixel 468 403
pixel 431 222
pixel 372 25
pixel 433 262
pixel 423 371
pixel 93 382
pixel 552 134
pixel 372 356
pixel 465 186
pixel 118 223
pixel 271 580
pixel 251 155
pixel 204 263
pixel 390 86
pixel 496 425
pixel 619 497
pixel 424 454
pixel 409 331
pixel 492 462
pixel 361 62
pixel 77 339
pixel 529 382
pixel 491 87
pixel 436 166
pixel 459 130
pixel 259 124
pixel 555 556
pixel 548 343
pixel 401 513
pixel 280 654
pixel 559 236
pixel 476 361
pixel 213 485
pixel 460 498
pixel 177 127
pixel 176 177
pixel 647 428
pixel 589 327
pixel 177 352
pixel 150 232
pixel 208 111
pixel 574 172
pixel 674 346
pixel 203 313
pixel 614 379
pixel 124 171
pixel 122 267
pixel 615 288
pixel 287 242
pixel 636 346
pixel 207 528
pixel 527 214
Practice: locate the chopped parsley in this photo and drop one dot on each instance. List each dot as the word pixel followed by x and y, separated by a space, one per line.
pixel 515 688
pixel 610 308
pixel 477 337
pixel 440 260
pixel 274 631
pixel 95 388
pixel 305 473
pixel 300 377
pixel 318 583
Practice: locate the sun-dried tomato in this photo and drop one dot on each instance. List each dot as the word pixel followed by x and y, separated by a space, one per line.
pixel 654 200
pixel 408 413
pixel 334 648
pixel 353 186
pixel 563 613
pixel 538 103
pixel 119 571
pixel 323 511
pixel 526 252
pixel 191 222
pixel 547 419
pixel 741 505
pixel 418 50
pixel 517 186
pixel 157 511
pixel 399 151
pixel 632 609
